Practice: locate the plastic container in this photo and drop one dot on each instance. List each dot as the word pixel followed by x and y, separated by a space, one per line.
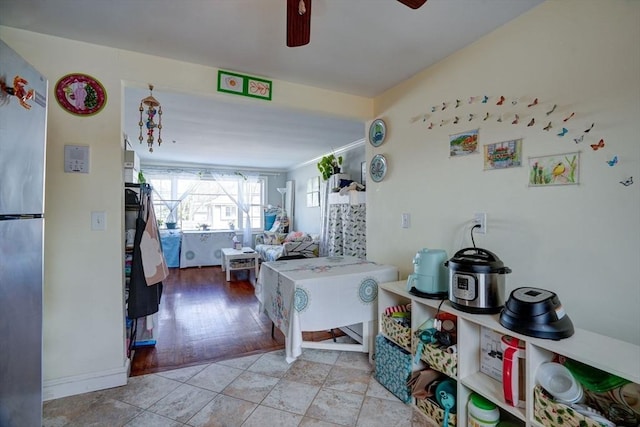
pixel 481 412
pixel 559 382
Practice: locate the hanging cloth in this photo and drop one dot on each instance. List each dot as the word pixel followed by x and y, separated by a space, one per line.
pixel 155 266
pixel 143 300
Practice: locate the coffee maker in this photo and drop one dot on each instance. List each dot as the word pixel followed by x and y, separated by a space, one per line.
pixel 430 278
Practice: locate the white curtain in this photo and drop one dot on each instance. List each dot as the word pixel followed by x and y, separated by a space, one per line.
pixel 324 218
pixel 173 204
pixel 247 186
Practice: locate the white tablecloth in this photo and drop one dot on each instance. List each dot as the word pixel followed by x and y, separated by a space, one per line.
pixel 315 294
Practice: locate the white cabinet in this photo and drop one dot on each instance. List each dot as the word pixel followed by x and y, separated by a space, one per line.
pixel 204 248
pixel 608 354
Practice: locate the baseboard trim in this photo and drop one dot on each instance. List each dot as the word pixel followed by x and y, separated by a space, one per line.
pixel 85 383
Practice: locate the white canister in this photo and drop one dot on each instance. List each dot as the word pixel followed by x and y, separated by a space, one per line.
pixel 481 412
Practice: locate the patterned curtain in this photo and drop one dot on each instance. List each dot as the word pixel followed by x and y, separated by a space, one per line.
pixel 347 230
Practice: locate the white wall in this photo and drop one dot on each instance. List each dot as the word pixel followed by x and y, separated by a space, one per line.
pixel 83 301
pixel 582 242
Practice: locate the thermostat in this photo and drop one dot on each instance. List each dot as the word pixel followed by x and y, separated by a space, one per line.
pixel 76 158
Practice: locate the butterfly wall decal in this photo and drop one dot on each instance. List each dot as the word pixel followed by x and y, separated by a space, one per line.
pixel 535 102
pixel 457 103
pixel 597 146
pixel 579 139
pixel 590 127
pixel 627 182
pixel 516 120
pixel 485 99
pixel 501 101
pixel 552 109
pixel 566 119
pixel 531 122
pixel 430 125
pixel 486 117
pixel 547 127
pixel 613 161
pixel 471 116
pixel 455 121
pixel 563 132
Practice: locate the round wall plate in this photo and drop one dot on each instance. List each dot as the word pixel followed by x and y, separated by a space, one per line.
pixel 80 94
pixel 378 167
pixel 377 132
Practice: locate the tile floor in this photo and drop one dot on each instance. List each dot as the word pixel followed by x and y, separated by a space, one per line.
pixel 321 388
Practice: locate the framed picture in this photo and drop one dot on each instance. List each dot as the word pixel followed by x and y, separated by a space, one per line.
pixel 363 173
pixel 461 144
pixel 557 169
pixel 240 84
pixel 503 155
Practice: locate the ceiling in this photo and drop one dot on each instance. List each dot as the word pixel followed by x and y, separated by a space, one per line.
pixel 361 47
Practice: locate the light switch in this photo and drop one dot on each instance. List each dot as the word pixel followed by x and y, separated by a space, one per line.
pixel 405 219
pixel 98 221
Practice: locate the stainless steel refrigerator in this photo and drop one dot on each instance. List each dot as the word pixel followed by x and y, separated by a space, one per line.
pixel 23 121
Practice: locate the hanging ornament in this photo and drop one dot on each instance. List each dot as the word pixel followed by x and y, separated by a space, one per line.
pixel 153 108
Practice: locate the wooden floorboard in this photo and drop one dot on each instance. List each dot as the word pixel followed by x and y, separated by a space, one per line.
pixel 204 319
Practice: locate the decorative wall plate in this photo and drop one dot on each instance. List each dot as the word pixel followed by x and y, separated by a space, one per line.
pixel 378 167
pixel 80 94
pixel 377 132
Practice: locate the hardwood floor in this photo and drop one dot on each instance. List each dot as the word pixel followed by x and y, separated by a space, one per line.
pixel 203 319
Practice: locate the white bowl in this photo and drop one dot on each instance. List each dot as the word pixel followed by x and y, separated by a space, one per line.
pixel 559 382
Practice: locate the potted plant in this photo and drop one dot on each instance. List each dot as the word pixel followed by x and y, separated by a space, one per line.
pixel 329 165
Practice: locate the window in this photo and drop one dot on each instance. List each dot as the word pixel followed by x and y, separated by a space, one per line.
pixel 192 202
pixel 313 192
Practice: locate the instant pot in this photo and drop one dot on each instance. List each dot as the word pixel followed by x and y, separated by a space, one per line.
pixel 476 281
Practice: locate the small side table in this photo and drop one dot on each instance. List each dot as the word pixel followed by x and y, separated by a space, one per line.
pixel 240 259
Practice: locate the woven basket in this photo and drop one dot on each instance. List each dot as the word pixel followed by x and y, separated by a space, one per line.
pixel 550 413
pixel 437 358
pixel 434 412
pixel 396 332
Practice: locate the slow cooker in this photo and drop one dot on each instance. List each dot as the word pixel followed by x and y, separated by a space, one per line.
pixel 476 281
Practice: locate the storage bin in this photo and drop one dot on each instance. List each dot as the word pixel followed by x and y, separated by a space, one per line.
pixel 396 332
pixel 550 413
pixel 434 412
pixel 437 358
pixel 393 368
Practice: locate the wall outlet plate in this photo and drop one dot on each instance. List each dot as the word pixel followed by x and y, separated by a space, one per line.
pixel 480 219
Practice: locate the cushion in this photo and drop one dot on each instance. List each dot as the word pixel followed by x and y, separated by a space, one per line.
pixel 296 236
pixel 269 219
pixel 273 238
pixel 280 225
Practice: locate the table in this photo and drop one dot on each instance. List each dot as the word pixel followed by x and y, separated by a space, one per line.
pixel 240 259
pixel 315 294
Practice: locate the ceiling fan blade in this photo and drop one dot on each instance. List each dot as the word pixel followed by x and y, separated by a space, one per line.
pixel 413 4
pixel 298 22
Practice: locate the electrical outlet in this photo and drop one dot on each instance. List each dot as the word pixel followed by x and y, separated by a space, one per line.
pixel 404 221
pixel 480 219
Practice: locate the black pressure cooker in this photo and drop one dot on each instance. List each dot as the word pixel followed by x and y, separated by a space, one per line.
pixel 476 281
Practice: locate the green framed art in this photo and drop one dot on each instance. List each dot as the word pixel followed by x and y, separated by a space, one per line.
pixel 243 85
